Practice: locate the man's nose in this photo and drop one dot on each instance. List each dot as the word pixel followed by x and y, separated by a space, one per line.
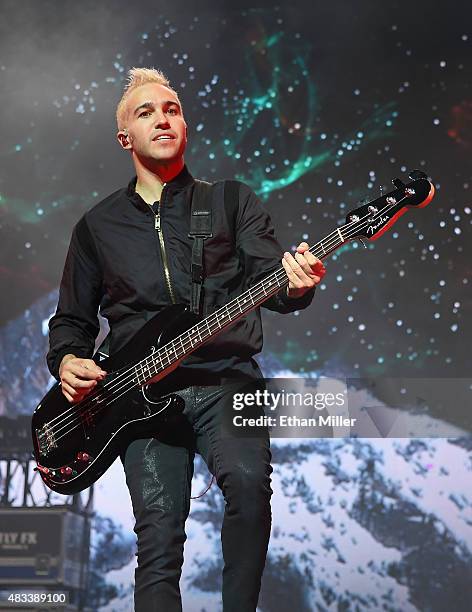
pixel 161 120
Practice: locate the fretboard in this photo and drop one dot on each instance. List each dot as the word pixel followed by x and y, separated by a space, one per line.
pixel 192 339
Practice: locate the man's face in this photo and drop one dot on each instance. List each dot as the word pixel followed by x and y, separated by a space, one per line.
pixel 155 127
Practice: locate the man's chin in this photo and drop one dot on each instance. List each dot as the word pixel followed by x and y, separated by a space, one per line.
pixel 154 161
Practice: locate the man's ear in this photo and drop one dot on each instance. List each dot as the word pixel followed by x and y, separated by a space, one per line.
pixel 124 139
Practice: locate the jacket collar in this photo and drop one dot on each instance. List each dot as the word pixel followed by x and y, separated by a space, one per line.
pixel 180 182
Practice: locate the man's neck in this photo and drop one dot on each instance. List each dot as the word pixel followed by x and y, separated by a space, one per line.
pixel 150 183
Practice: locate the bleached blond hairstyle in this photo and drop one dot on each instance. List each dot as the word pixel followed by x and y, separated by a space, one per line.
pixel 136 78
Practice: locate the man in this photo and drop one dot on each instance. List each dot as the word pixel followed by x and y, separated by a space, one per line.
pixel 130 256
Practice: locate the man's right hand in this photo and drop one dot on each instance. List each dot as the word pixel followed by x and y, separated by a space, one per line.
pixel 78 377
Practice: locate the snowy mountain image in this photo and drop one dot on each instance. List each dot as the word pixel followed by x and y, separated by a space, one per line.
pixel 357 525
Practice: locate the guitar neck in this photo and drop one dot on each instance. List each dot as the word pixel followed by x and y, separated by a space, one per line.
pixel 201 333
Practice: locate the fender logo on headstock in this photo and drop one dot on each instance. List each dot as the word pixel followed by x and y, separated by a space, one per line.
pixel 372 228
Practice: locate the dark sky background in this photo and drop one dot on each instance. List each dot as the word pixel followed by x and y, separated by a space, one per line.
pixel 315 105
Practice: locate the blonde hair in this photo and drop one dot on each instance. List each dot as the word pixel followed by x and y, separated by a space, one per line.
pixel 136 78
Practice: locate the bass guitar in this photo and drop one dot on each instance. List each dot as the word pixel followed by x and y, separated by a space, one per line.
pixel 74 444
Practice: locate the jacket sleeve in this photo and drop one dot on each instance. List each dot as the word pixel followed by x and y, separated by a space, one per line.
pixel 75 325
pixel 261 252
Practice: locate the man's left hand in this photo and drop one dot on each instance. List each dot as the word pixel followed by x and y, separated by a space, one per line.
pixel 304 271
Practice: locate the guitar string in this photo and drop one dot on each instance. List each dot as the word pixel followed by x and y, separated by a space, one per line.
pixel 231 305
pixel 92 412
pixel 143 363
pixel 82 409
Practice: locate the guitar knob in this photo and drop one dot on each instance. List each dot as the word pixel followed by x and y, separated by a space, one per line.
pixel 82 456
pixel 66 470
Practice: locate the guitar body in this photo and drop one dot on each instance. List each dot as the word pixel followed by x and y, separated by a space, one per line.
pixel 74 446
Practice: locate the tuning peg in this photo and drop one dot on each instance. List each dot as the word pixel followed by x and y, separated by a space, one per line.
pixel 398 183
pixel 417 174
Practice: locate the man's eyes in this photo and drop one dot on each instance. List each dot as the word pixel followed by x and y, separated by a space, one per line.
pixel 172 111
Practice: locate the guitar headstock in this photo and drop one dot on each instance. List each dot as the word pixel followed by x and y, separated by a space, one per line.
pixel 374 218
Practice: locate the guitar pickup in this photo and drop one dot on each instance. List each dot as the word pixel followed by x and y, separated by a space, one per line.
pixel 46 440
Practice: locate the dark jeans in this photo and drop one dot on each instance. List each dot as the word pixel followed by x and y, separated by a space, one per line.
pixel 159 473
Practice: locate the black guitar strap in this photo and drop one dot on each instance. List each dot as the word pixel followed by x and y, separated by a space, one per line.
pixel 201 229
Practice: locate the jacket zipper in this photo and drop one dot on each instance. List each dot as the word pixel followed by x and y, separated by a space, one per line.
pixel 165 262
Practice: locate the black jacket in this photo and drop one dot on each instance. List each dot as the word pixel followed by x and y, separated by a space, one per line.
pixel 115 264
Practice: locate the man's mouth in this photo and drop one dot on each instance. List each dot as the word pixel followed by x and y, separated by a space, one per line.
pixel 164 137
